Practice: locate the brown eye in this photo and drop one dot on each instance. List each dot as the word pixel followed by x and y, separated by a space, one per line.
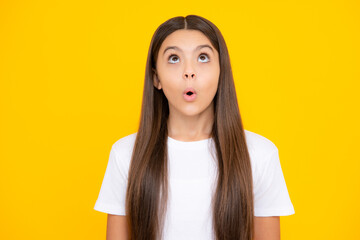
pixel 204 56
pixel 173 57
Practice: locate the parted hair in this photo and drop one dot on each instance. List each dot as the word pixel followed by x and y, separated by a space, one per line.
pixel 147 190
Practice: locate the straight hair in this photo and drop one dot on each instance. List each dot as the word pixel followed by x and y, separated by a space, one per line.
pixel 147 189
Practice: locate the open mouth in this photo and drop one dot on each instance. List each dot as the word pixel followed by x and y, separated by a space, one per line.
pixel 190 94
pixel 189 91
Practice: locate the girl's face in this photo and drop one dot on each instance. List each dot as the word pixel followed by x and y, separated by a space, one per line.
pixel 187 59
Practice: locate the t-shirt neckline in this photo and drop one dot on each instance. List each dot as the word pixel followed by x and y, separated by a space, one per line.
pixel 188 145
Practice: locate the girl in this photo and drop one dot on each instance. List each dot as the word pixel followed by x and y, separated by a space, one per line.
pixel 192 171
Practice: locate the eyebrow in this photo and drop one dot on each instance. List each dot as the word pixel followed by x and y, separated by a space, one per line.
pixel 197 48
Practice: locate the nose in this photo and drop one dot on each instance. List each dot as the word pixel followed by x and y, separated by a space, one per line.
pixel 189 75
pixel 189 71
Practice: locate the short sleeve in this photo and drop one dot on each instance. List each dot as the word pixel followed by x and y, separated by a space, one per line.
pixel 111 198
pixel 271 197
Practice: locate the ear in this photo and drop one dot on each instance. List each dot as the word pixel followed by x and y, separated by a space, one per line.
pixel 156 80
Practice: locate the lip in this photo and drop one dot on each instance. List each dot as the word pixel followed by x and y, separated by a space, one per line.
pixel 189 89
pixel 187 97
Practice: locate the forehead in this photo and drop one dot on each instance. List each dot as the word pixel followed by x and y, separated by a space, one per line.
pixel 185 39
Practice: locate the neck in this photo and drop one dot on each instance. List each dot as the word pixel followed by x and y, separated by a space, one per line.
pixel 191 128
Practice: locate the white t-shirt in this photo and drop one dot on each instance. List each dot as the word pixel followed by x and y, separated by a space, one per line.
pixel 192 173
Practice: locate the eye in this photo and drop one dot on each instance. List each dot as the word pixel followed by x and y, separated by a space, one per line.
pixel 173 56
pixel 203 56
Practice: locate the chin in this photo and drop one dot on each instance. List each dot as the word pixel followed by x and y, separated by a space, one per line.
pixel 192 111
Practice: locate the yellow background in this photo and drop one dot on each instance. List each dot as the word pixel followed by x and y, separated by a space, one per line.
pixel 72 77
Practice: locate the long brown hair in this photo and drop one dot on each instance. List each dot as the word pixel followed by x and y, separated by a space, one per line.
pixel 147 195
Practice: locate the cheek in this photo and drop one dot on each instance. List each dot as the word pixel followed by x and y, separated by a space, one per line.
pixel 169 74
pixel 171 90
pixel 211 79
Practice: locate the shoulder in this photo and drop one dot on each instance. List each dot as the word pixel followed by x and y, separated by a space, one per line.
pixel 122 149
pixel 124 144
pixel 259 147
